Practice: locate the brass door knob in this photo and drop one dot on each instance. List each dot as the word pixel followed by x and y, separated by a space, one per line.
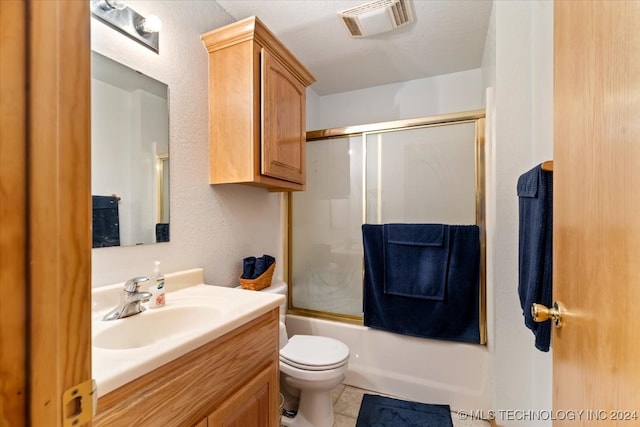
pixel 540 313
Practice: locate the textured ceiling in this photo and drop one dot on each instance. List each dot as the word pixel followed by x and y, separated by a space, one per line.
pixel 447 36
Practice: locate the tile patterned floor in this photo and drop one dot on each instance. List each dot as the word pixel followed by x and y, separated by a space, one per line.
pixel 346 405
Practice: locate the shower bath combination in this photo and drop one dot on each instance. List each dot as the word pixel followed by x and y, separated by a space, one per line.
pixel 428 170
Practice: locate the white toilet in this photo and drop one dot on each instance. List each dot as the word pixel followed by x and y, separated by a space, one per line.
pixel 310 367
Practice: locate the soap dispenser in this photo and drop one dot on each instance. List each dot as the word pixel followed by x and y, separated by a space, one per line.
pixel 156 288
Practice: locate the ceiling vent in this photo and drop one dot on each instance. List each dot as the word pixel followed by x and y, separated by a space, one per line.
pixel 378 16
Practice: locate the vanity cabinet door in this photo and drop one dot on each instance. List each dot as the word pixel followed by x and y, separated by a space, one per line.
pixel 283 122
pixel 255 404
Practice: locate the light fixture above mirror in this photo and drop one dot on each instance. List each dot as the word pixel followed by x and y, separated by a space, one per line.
pixel 116 14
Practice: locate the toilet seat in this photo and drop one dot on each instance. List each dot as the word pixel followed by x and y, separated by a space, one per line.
pixel 314 353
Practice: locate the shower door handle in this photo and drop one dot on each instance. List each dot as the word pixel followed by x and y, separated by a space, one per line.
pixel 541 313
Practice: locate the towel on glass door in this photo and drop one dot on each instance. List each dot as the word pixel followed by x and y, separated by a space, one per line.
pixel 454 318
pixel 535 199
pixel 416 257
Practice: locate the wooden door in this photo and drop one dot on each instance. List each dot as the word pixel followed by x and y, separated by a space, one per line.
pixel 596 354
pixel 45 329
pixel 13 204
pixel 283 122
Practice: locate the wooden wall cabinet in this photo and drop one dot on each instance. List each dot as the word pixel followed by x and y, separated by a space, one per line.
pixel 232 381
pixel 257 102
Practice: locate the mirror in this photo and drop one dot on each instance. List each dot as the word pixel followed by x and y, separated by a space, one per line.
pixel 129 155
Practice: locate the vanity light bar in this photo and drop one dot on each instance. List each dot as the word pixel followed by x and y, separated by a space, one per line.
pixel 117 15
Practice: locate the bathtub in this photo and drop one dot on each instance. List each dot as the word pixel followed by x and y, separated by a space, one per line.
pixel 419 369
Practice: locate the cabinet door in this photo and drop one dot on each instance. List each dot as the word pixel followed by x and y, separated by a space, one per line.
pixel 256 404
pixel 283 122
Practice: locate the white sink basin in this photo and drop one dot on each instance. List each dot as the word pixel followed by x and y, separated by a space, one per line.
pixel 154 325
pixel 195 314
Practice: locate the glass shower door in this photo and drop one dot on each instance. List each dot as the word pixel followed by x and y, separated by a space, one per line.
pixel 422 174
pixel 326 252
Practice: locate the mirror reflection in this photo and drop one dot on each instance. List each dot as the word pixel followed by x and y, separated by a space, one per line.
pixel 129 155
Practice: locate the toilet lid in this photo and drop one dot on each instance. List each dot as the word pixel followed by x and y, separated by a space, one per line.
pixel 314 353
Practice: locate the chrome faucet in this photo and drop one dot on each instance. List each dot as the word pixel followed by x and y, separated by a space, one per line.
pixel 130 300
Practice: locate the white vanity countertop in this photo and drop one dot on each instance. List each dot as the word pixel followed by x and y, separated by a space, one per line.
pixel 195 314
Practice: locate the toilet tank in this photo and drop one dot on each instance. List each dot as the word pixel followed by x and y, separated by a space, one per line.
pixel 279 287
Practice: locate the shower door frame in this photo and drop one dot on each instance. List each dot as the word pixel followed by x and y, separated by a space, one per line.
pixel 478 118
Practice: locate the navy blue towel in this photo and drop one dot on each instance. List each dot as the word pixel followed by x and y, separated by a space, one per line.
pixel 535 195
pixel 162 232
pixel 106 221
pixel 455 317
pixel 416 257
pixel 253 267
pixel 248 267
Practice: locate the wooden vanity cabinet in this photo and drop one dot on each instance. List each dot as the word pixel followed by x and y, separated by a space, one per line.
pixel 231 381
pixel 249 406
pixel 257 103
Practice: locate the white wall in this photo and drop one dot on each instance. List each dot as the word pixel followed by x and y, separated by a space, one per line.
pixel 212 227
pixel 520 106
pixel 448 93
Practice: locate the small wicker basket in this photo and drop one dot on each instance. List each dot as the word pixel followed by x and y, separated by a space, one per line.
pixel 260 282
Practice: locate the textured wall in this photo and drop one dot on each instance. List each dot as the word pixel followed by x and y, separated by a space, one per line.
pixel 211 227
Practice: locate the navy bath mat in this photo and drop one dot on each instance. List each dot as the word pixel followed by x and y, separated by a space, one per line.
pixel 380 411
